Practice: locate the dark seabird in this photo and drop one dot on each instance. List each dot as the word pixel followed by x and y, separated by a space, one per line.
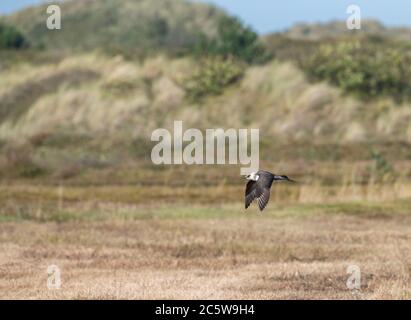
pixel 259 186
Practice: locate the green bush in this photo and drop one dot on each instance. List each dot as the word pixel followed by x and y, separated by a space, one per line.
pixel 367 69
pixel 213 76
pixel 11 38
pixel 234 39
pixel 382 170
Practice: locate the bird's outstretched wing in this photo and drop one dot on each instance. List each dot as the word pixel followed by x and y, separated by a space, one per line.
pixel 250 193
pixel 254 190
pixel 263 199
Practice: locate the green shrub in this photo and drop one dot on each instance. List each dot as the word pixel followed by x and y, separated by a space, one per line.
pixel 234 39
pixel 11 38
pixel 380 163
pixel 382 170
pixel 212 77
pixel 367 69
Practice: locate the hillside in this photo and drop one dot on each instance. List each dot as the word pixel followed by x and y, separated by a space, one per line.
pixel 97 99
pixel 335 29
pixel 120 24
pixel 97 94
pixel 63 111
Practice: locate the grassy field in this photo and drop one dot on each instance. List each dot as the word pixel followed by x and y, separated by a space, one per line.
pixel 110 243
pixel 78 188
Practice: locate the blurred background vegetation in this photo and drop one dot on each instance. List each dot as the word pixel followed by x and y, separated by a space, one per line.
pixel 78 105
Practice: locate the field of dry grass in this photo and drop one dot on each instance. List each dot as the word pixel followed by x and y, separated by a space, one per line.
pixel 110 247
pixel 102 95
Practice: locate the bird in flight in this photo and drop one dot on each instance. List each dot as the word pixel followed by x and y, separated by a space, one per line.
pixel 258 187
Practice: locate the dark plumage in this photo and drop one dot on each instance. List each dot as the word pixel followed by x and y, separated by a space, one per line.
pixel 258 187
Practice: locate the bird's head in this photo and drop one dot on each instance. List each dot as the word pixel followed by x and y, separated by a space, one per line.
pixel 282 178
pixel 252 176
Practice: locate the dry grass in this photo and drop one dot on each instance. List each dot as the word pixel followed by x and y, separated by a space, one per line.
pixel 109 247
pixel 181 191
pixel 99 94
pixel 238 256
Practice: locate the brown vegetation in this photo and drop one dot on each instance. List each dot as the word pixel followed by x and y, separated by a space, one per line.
pixel 183 253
